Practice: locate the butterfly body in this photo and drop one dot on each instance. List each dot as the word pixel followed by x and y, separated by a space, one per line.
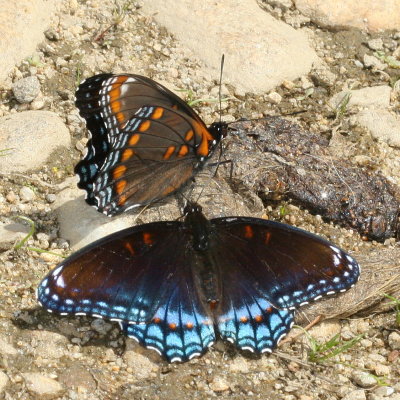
pixel 146 143
pixel 176 286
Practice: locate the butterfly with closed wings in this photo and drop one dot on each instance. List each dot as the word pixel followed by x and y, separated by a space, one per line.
pixel 146 143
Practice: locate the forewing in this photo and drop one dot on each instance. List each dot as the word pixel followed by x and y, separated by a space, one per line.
pixel 124 277
pixel 286 266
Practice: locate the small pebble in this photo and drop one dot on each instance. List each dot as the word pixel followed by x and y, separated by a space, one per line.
pixel 394 341
pixel 219 384
pixel 355 395
pixel 373 62
pixel 42 386
pixel 274 98
pixel 363 379
pixel 26 89
pixel 381 370
pixel 101 326
pixel 11 197
pixel 375 44
pixel 3 381
pixel 383 391
pixel 51 198
pixel 26 194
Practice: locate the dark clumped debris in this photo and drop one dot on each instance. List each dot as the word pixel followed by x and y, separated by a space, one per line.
pixel 279 160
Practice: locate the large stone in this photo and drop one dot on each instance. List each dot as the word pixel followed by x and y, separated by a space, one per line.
pixel 370 15
pixel 31 136
pixel 22 24
pixel 41 386
pixel 383 125
pixel 260 51
pixel 375 96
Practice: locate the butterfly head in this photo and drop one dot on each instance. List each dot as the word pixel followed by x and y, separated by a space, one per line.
pixel 192 208
pixel 219 130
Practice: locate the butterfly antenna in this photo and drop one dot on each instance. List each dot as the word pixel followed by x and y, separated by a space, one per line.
pixel 220 87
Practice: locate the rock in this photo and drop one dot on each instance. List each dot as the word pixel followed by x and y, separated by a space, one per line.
pixel 11 233
pixel 26 194
pixel 393 356
pixel 77 375
pixel 355 395
pixel 82 224
pixel 376 96
pixel 42 386
pixel 394 340
pixel 322 76
pixel 143 368
pixel 6 348
pixel 32 136
pixel 21 29
pixel 27 89
pixel 375 44
pixel 48 345
pixel 219 384
pixel 274 97
pixel 368 15
pixel 383 125
pixel 381 370
pixel 259 50
pixel 239 364
pixel 373 62
pixel 383 391
pixel 305 397
pixel 101 326
pixel 325 330
pixel 3 381
pixel 363 379
pixel 283 4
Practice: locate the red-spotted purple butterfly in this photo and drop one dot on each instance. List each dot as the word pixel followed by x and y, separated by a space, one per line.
pixel 146 143
pixel 177 286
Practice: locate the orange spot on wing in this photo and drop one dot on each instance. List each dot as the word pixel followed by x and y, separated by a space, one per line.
pixel 122 200
pixel 244 319
pixel 213 304
pixel 269 310
pixel 189 325
pixel 203 149
pixel 183 151
pixel 156 320
pixel 267 237
pixel 248 232
pixel 114 94
pixel 172 326
pixel 127 154
pixel 168 190
pixel 168 153
pixel 134 139
pixel 129 247
pixel 118 171
pixel 189 135
pixel 158 113
pixel 147 239
pixel 258 318
pixel 144 126
pixel 120 186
